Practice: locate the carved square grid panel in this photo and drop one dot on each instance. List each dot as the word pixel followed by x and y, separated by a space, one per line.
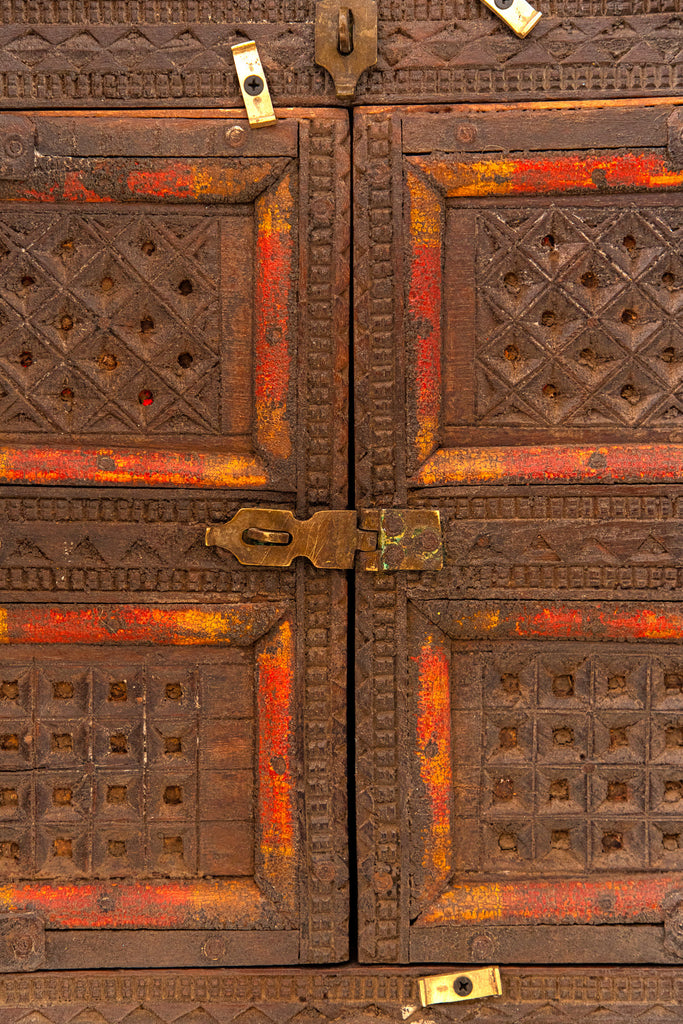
pixel 570 762
pixel 578 317
pixel 136 768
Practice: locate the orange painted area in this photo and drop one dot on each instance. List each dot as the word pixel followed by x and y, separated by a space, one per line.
pixel 276 769
pixel 599 620
pixel 424 310
pixel 613 899
pixel 656 463
pixel 198 180
pixel 434 758
pixel 115 904
pixel 129 466
pixel 121 623
pixel 560 172
pixel 273 299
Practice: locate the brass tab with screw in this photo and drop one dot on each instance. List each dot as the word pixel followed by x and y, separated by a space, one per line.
pixel 253 84
pixel 461 985
pixel 518 15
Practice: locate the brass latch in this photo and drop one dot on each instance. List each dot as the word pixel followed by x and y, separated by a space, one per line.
pixel 346 41
pixel 382 540
pixel 463 984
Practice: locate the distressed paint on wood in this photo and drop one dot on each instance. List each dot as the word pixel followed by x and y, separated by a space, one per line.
pixel 43 465
pixel 205 903
pixel 433 751
pixel 600 620
pixel 636 899
pixel 129 624
pixel 559 172
pixel 656 463
pixel 424 309
pixel 273 313
pixel 278 844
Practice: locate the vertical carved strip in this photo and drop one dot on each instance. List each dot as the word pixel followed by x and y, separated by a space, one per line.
pixel 380 480
pixel 322 596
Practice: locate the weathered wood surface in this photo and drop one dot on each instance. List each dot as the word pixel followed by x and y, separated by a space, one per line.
pixel 175 343
pixel 162 53
pixel 517 342
pixel 346 996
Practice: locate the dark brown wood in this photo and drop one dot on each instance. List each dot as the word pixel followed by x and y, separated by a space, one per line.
pixel 362 995
pixel 179 55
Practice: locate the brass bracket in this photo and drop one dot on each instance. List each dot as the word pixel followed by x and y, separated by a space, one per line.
pixel 460 986
pixel 518 15
pixel 346 42
pixel 252 79
pixel 385 540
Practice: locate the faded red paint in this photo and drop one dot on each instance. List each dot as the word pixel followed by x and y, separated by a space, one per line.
pixel 204 903
pixel 561 172
pixel 273 299
pixel 612 899
pixel 657 463
pixel 424 310
pixel 75 190
pixel 129 624
pixel 434 758
pixel 129 466
pixel 599 620
pixel 175 181
pixel 614 622
pixel 276 772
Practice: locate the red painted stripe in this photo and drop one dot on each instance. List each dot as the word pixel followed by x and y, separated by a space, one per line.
pixel 564 463
pixel 278 846
pixel 613 899
pixel 535 620
pixel 559 172
pixel 129 466
pixel 133 624
pixel 204 903
pixel 433 734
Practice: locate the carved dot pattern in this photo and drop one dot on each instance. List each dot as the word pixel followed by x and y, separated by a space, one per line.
pixel 590 304
pixel 111 774
pixel 106 311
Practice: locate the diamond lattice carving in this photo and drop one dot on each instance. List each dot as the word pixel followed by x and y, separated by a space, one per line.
pixel 110 323
pixel 578 317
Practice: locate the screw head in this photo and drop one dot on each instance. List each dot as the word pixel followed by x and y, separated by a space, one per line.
pixel 235 136
pixel 254 84
pixel 503 5
pixel 463 986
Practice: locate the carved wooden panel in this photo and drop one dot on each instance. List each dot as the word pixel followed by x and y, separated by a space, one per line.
pixel 144 53
pixel 518 329
pixel 172 723
pixel 344 995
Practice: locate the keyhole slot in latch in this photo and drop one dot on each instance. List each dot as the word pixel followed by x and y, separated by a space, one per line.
pixel 253 535
pixel 345 31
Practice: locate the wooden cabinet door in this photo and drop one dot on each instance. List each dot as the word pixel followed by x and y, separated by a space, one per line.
pixel 174 344
pixel 518 368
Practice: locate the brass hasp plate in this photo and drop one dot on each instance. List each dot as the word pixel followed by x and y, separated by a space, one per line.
pixel 379 540
pixel 346 42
